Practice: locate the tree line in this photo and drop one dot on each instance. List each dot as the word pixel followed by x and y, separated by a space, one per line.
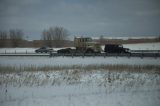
pixel 52 37
pixel 11 37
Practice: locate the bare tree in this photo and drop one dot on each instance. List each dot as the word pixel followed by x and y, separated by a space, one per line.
pixel 55 36
pixel 16 36
pixel 3 35
pixel 11 38
pixel 3 38
pixel 46 36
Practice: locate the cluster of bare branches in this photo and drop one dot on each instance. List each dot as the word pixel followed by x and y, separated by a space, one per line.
pixel 3 35
pixel 55 36
pixel 11 37
pixel 12 34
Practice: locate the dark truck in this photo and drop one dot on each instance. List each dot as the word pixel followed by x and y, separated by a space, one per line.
pixel 65 50
pixel 115 48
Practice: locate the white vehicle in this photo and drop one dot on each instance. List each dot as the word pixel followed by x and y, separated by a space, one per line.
pixel 44 50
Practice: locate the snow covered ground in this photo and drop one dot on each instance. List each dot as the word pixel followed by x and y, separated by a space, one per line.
pixel 143 46
pixel 79 88
pixel 17 50
pixel 126 38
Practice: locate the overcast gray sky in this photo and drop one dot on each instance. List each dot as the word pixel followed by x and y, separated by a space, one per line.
pixel 82 17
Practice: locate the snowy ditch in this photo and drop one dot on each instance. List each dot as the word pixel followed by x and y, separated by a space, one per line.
pixel 80 88
pixel 99 77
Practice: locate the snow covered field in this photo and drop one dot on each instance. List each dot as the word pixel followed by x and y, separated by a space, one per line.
pixel 143 46
pixel 79 88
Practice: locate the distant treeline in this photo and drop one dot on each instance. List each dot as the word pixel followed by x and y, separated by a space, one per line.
pixel 11 38
pixel 52 37
pixel 34 43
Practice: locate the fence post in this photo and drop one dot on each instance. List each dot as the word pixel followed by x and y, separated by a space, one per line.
pixel 72 55
pixel 105 55
pixel 93 55
pixel 83 55
pixel 129 55
pixel 51 54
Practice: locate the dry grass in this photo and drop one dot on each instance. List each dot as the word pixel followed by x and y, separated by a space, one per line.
pixel 118 68
pixel 129 75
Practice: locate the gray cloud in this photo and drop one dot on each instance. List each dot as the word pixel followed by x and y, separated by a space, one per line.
pixel 82 17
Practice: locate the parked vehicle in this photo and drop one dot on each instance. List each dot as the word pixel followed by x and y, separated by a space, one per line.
pixel 115 48
pixel 44 50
